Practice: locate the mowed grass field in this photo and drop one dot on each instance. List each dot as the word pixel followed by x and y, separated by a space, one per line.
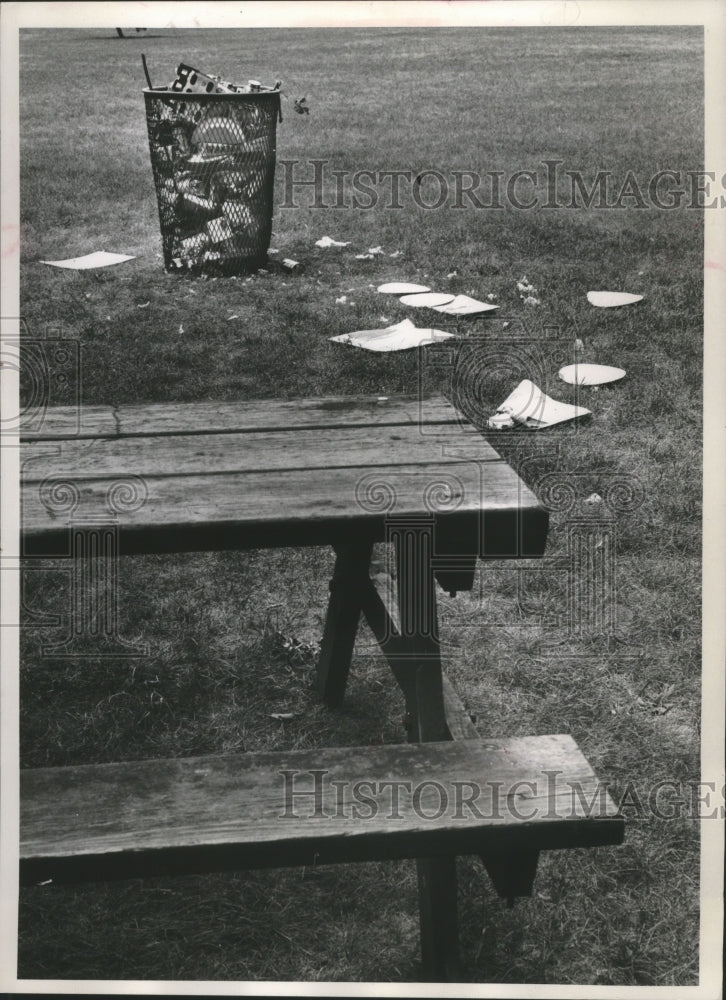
pixel 218 626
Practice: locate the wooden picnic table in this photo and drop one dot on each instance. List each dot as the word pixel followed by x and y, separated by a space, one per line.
pixel 348 472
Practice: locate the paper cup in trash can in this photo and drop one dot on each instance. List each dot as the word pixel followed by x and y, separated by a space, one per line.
pixel 213 161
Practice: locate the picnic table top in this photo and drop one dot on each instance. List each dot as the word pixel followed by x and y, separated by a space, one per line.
pixel 202 476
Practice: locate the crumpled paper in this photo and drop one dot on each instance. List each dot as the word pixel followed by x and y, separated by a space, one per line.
pixel 326 241
pixel 529 406
pixel 400 337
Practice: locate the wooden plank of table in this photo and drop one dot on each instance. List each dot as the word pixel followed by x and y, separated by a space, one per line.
pixel 235 811
pixel 251 415
pixel 489 513
pixel 188 454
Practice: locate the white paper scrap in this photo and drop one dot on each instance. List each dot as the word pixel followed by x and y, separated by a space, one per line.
pixel 402 288
pixel 400 337
pixel 464 305
pixel 98 259
pixel 428 299
pixel 529 406
pixel 608 300
pixel 326 241
pixel 582 374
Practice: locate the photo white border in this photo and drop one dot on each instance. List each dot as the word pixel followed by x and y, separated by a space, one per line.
pixel 385 13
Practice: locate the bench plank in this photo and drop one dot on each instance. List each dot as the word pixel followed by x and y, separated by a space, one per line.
pixel 497 515
pixel 228 812
pixel 190 454
pixel 221 417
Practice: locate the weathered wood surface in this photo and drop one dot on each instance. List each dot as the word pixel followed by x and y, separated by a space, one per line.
pixel 228 812
pixel 254 415
pixel 300 472
pixel 495 518
pixel 252 451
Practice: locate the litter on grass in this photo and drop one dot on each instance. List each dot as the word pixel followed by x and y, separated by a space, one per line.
pixel 464 305
pixel 364 256
pixel 529 406
pixel 290 264
pixel 400 337
pixel 402 288
pixel 608 300
pixel 427 299
pixel 582 374
pixel 98 259
pixel 326 241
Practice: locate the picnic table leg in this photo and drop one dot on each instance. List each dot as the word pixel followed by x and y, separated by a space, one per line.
pixel 413 544
pixel 350 578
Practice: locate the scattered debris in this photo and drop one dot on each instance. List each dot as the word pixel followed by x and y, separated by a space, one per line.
pixel 491 296
pixel 529 406
pixel 272 251
pixel 427 299
pixel 98 259
pixel 402 288
pixel 342 300
pixel 283 716
pixel 400 337
pixel 143 305
pixel 375 251
pixel 301 106
pixel 396 253
pixel 364 256
pixel 233 316
pixel 578 345
pixel 584 374
pixel 452 274
pixel 326 241
pixel 528 293
pixel 290 264
pixel 608 300
pixel 464 305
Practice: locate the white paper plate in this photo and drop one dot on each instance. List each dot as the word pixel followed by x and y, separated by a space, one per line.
pixel 582 374
pixel 430 299
pixel 464 305
pixel 402 288
pixel 608 300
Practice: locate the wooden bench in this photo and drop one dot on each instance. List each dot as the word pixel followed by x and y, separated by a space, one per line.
pixel 348 472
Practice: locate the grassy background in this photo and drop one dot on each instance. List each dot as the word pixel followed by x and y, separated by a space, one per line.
pixel 217 624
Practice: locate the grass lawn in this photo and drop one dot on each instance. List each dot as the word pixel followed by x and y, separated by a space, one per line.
pixel 216 624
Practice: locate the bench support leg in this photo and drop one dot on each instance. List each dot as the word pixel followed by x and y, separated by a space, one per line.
pixel 438 916
pixel 418 668
pixel 350 580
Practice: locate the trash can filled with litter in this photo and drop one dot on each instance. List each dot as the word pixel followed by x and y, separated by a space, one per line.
pixel 212 148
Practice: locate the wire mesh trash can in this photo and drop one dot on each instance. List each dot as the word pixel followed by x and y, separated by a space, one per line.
pixel 213 160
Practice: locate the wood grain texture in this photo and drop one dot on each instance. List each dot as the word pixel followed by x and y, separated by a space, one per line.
pixel 489 514
pixel 262 414
pixel 228 812
pixel 275 472
pixel 253 451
